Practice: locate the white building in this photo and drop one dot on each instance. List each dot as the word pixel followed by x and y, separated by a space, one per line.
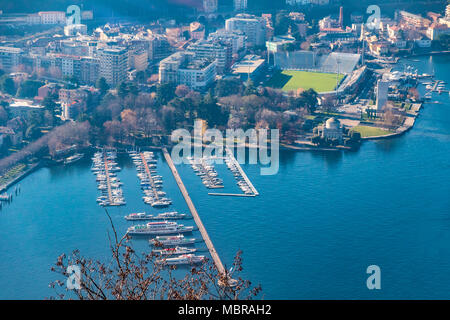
pixel 381 91
pixel 138 60
pixel 210 6
pixel 331 130
pixel 222 54
pixel 185 68
pixel 74 29
pixel 9 58
pixel 236 40
pixel 113 64
pixel 252 26
pixel 240 5
pixel 52 17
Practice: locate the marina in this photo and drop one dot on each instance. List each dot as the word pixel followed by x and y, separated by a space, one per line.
pixel 105 167
pixel 151 182
pixel 242 180
pixel 207 173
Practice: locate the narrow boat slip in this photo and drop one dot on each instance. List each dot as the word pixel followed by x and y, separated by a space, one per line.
pixel 105 168
pixel 151 183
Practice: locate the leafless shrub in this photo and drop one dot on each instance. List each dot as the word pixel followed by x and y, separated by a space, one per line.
pixel 129 276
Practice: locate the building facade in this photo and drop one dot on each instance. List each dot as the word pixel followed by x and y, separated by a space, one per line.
pixel 252 26
pixel 113 64
pixel 185 68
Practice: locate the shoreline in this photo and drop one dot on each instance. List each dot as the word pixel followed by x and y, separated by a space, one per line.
pixel 9 184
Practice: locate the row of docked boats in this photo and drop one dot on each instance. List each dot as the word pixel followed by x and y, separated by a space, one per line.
pixel 105 168
pixel 207 173
pixel 242 184
pixel 169 241
pixel 151 183
pixel 175 255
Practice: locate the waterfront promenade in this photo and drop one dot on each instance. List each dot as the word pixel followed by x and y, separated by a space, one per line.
pixel 198 221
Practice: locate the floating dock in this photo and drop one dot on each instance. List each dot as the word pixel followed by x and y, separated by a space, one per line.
pixel 231 194
pixel 144 161
pixel 244 176
pixel 194 213
pixel 108 181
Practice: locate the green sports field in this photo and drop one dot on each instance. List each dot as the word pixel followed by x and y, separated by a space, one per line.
pixel 290 80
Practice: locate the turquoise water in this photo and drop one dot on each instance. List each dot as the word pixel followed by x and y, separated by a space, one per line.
pixel 311 233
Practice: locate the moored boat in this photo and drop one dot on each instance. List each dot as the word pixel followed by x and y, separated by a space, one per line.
pixel 172 240
pixel 174 251
pixel 183 259
pixel 161 216
pixel 155 228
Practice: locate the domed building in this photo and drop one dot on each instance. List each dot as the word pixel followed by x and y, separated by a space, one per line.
pixel 331 130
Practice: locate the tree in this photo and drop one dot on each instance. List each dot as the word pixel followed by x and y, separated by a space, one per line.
pixel 102 85
pixel 122 90
pixel 7 85
pixel 29 88
pixel 164 93
pixel 133 276
pixel 182 90
pixel 228 87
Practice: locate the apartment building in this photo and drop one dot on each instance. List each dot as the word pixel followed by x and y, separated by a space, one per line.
pixel 185 68
pixel 252 26
pixel 113 64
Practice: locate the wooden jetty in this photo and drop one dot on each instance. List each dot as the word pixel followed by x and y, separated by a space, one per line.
pixel 194 213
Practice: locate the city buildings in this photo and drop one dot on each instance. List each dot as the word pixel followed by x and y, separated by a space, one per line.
pixel 210 6
pixel 213 50
pixel 74 29
pixel 412 20
pixel 240 5
pixel 235 39
pixel 250 67
pixel 185 68
pixel 252 26
pixel 52 17
pixel 9 58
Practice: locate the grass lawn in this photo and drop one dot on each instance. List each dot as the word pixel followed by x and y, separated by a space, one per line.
pixel 289 80
pixel 367 131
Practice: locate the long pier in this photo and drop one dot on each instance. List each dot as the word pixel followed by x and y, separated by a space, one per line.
pixel 194 213
pixel 241 171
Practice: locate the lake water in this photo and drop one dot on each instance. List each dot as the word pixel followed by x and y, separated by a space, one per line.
pixel 311 233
